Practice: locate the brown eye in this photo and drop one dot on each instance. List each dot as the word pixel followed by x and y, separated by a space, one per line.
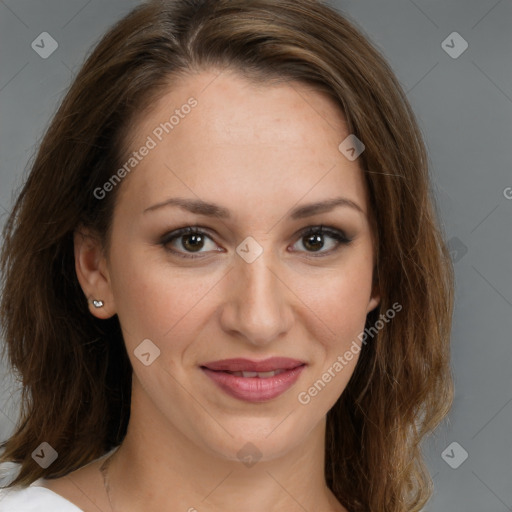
pixel 187 240
pixel 316 238
pixel 313 242
pixel 192 242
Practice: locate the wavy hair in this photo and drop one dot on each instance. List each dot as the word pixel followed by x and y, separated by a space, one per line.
pixel 73 368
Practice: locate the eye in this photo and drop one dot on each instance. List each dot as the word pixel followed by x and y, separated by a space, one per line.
pixel 313 239
pixel 184 242
pixel 189 239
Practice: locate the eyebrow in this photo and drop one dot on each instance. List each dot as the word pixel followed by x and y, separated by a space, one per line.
pixel 200 207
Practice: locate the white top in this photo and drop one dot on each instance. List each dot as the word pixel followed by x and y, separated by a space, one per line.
pixel 34 498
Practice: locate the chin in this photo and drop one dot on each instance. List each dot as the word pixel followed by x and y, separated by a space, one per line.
pixel 262 439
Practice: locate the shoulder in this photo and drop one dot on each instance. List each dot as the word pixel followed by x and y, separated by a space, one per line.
pixel 34 498
pixel 80 491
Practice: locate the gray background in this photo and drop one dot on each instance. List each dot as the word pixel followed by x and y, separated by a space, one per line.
pixel 464 107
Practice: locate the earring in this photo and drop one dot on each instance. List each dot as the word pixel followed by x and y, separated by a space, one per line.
pixel 97 303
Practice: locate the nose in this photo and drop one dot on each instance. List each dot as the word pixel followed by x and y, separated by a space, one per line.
pixel 258 307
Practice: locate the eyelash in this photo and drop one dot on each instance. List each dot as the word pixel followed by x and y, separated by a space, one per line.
pixel 334 233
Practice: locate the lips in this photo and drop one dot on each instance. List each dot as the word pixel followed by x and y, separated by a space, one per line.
pixel 247 365
pixel 254 381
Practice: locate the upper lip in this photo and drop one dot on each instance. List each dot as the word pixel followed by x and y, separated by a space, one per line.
pixel 248 365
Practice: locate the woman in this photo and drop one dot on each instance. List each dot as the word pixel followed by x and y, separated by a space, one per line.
pixel 225 285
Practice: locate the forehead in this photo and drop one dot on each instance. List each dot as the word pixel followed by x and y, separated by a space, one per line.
pixel 266 142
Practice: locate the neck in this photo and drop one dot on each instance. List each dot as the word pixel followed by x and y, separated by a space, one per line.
pixel 162 469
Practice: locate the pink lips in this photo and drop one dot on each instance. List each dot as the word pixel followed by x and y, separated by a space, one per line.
pixel 254 388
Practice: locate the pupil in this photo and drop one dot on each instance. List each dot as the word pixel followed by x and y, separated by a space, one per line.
pixel 197 242
pixel 315 241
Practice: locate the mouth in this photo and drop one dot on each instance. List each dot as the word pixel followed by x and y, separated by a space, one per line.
pixel 254 381
pixel 260 375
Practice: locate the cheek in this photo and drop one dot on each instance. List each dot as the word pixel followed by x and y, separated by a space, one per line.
pixel 339 299
pixel 154 300
pixel 341 310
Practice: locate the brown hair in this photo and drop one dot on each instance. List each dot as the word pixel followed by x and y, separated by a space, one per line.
pixel 75 372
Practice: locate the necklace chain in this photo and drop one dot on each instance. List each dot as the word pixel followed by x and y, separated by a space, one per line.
pixel 106 483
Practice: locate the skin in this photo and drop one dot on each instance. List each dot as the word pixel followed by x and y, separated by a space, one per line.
pixel 259 151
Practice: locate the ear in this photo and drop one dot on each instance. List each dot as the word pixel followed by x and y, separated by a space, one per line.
pixel 375 296
pixel 92 272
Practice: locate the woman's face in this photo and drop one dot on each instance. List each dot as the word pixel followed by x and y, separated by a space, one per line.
pixel 256 281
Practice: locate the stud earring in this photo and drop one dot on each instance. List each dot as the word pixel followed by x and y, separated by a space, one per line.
pixel 97 303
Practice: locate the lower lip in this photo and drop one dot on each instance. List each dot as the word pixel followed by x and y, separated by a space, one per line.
pixel 255 389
